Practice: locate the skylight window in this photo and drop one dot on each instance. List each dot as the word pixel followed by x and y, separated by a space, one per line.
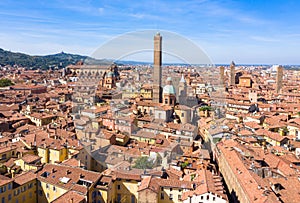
pixel 64 180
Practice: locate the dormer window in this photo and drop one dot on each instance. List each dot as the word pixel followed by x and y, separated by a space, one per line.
pixel 84 182
pixel 45 174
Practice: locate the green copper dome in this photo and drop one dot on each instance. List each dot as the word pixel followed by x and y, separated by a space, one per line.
pixel 169 89
pixel 110 74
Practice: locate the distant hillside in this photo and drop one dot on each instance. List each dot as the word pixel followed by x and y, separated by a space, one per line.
pixel 59 60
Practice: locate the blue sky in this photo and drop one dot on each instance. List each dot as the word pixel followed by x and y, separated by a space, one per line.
pixel 249 31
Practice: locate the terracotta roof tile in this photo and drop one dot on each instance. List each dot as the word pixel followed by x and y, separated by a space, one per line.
pixel 29 158
pixel 70 196
pixel 66 176
pixel 25 177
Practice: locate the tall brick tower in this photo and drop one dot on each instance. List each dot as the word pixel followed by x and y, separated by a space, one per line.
pixel 232 74
pixel 222 70
pixel 157 75
pixel 279 79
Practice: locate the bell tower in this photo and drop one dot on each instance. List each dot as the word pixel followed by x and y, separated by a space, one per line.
pixel 157 72
pixel 182 91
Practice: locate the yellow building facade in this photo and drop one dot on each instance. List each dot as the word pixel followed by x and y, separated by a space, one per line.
pixel 48 192
pixel 21 189
pixel 52 155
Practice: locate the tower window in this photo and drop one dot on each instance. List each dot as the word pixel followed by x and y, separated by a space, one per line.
pixel 179 197
pixel 159 115
pixel 132 199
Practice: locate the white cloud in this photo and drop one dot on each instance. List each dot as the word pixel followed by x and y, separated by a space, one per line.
pixel 101 10
pixel 264 39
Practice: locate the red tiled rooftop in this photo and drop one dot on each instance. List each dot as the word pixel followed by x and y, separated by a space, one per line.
pixel 70 196
pixel 29 158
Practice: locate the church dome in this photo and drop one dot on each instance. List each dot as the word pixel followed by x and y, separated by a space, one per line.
pixel 110 74
pixel 169 89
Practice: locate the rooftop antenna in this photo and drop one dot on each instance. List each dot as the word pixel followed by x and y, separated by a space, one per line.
pixel 155 20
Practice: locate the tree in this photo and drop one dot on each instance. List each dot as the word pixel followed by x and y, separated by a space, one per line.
pixel 5 82
pixel 205 108
pixel 143 163
pixel 183 165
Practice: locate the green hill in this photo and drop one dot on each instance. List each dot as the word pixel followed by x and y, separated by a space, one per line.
pixel 59 60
